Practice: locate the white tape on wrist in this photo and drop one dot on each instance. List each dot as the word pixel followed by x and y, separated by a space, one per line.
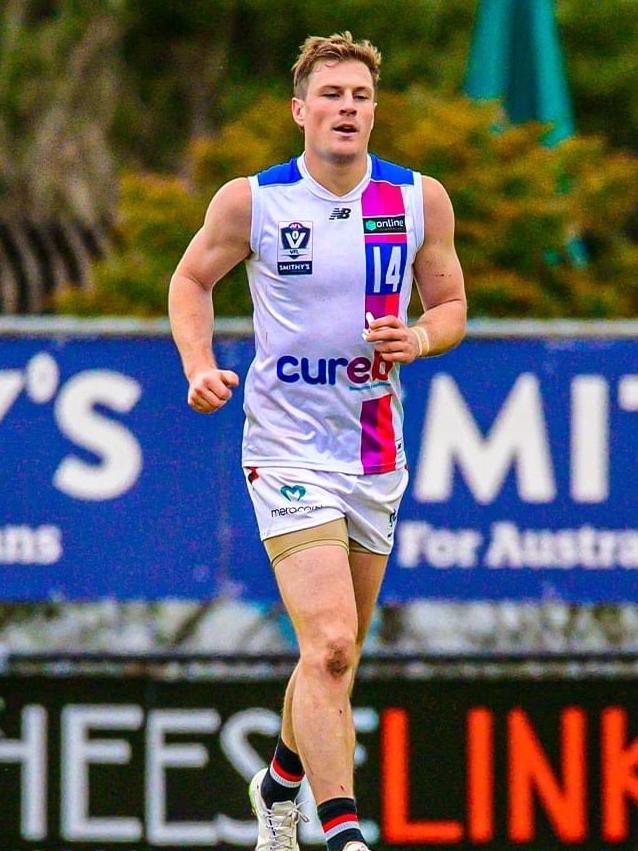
pixel 422 339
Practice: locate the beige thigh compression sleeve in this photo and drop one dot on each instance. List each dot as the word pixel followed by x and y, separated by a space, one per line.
pixel 356 547
pixel 334 532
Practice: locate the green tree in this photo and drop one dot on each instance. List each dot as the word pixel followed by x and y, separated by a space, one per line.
pixel 183 69
pixel 193 66
pixel 178 57
pixel 512 224
pixel 601 48
pixel 58 93
pixel 59 77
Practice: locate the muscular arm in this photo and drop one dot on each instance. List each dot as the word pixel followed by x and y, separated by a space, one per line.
pixel 439 277
pixel 439 281
pixel 222 242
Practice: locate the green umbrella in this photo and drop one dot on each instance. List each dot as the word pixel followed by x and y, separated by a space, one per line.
pixel 516 56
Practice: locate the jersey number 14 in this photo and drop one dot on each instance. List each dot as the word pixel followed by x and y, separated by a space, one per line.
pixel 388 268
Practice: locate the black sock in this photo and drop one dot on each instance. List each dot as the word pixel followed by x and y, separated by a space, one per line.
pixel 340 823
pixel 283 778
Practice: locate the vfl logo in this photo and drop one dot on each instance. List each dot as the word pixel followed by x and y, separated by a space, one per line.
pixel 340 213
pixel 294 250
pixel 293 492
pixel 295 238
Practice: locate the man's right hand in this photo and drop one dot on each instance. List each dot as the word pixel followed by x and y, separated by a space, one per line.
pixel 209 389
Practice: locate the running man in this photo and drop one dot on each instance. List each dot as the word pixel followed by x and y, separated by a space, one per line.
pixel 332 241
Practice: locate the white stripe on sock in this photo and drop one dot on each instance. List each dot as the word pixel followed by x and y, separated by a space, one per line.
pixel 289 784
pixel 339 828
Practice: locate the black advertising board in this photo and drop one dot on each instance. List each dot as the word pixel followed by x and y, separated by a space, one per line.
pixel 134 762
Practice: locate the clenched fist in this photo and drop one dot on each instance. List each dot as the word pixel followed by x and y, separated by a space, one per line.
pixel 209 389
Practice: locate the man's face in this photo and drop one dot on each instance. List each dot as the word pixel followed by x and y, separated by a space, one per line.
pixel 337 113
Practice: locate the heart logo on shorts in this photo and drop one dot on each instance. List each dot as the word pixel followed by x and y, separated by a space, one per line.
pixel 293 492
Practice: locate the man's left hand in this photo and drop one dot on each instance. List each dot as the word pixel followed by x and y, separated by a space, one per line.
pixel 393 339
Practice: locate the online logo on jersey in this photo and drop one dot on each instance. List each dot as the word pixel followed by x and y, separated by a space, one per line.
pixel 294 249
pixel 384 224
pixel 360 372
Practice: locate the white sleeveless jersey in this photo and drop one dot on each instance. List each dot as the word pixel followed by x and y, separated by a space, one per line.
pixel 316 395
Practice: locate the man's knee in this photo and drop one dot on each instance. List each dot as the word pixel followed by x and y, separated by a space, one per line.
pixel 335 655
pixel 340 657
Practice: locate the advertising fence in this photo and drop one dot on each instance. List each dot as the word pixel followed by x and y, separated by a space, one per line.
pixel 522 454
pixel 152 760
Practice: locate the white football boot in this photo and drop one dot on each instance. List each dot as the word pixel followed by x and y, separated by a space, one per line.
pixel 277 827
pixel 355 846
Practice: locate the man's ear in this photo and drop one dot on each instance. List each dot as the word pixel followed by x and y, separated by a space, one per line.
pixel 298 108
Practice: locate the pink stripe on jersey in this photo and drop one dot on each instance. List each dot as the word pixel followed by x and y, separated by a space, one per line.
pixel 378 447
pixel 396 238
pixel 383 305
pixel 382 298
pixel 382 199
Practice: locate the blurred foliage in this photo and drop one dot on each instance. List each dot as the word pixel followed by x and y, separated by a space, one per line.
pixel 211 59
pixel 58 94
pixel 195 90
pixel 601 46
pixel 157 217
pixel 185 67
pixel 192 66
pixel 513 224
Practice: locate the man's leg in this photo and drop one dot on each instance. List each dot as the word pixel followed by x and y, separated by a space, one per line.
pixel 367 570
pixel 366 574
pixel 317 589
pixel 282 779
pixel 303 712
pixel 287 730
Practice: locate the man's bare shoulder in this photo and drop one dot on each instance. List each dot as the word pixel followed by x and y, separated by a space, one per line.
pixel 231 206
pixel 434 193
pixel 437 207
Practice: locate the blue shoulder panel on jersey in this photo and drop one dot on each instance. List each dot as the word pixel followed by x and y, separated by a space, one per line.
pixel 278 174
pixel 390 172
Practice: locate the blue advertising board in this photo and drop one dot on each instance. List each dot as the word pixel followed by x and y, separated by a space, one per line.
pixel 523 474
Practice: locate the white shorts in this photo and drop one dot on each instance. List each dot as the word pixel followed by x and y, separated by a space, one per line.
pixel 287 499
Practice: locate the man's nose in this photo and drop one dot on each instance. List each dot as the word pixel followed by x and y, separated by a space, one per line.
pixel 348 105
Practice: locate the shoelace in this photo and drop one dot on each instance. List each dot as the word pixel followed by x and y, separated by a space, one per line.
pixel 282 825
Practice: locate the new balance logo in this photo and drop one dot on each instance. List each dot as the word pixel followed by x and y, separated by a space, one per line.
pixel 340 213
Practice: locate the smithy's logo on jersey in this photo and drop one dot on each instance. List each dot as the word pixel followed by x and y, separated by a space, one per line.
pixel 384 224
pixel 294 250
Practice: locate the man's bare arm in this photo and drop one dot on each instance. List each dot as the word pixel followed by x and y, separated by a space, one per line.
pixel 438 272
pixel 222 242
pixel 440 284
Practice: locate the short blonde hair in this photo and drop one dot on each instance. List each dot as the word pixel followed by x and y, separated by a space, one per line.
pixel 339 47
